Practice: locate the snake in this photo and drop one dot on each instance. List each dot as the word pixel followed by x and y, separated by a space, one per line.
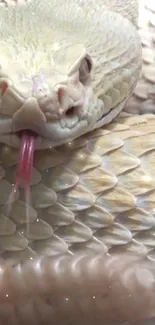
pixel 77 173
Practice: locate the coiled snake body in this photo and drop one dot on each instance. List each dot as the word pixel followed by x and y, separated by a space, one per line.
pixel 82 250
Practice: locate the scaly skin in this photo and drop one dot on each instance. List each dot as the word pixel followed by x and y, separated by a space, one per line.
pixel 63 79
pixel 90 196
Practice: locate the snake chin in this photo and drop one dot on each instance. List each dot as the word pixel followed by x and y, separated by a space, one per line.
pixel 49 136
pixel 76 122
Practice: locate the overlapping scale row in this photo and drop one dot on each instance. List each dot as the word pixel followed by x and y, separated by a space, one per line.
pixel 143 100
pixel 97 193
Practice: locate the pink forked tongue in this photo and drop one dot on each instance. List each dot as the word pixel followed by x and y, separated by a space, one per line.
pixel 25 165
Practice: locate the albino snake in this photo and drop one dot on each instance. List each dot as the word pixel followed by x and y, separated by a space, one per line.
pixel 80 248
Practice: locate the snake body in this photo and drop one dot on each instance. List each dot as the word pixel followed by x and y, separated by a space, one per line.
pixel 83 252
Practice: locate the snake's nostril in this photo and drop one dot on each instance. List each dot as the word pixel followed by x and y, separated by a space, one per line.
pixel 70 112
pixel 61 93
pixel 3 87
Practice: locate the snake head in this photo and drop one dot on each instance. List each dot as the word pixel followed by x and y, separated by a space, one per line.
pixel 63 80
pixel 58 104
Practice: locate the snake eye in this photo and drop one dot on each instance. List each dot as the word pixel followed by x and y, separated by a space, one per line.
pixel 85 70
